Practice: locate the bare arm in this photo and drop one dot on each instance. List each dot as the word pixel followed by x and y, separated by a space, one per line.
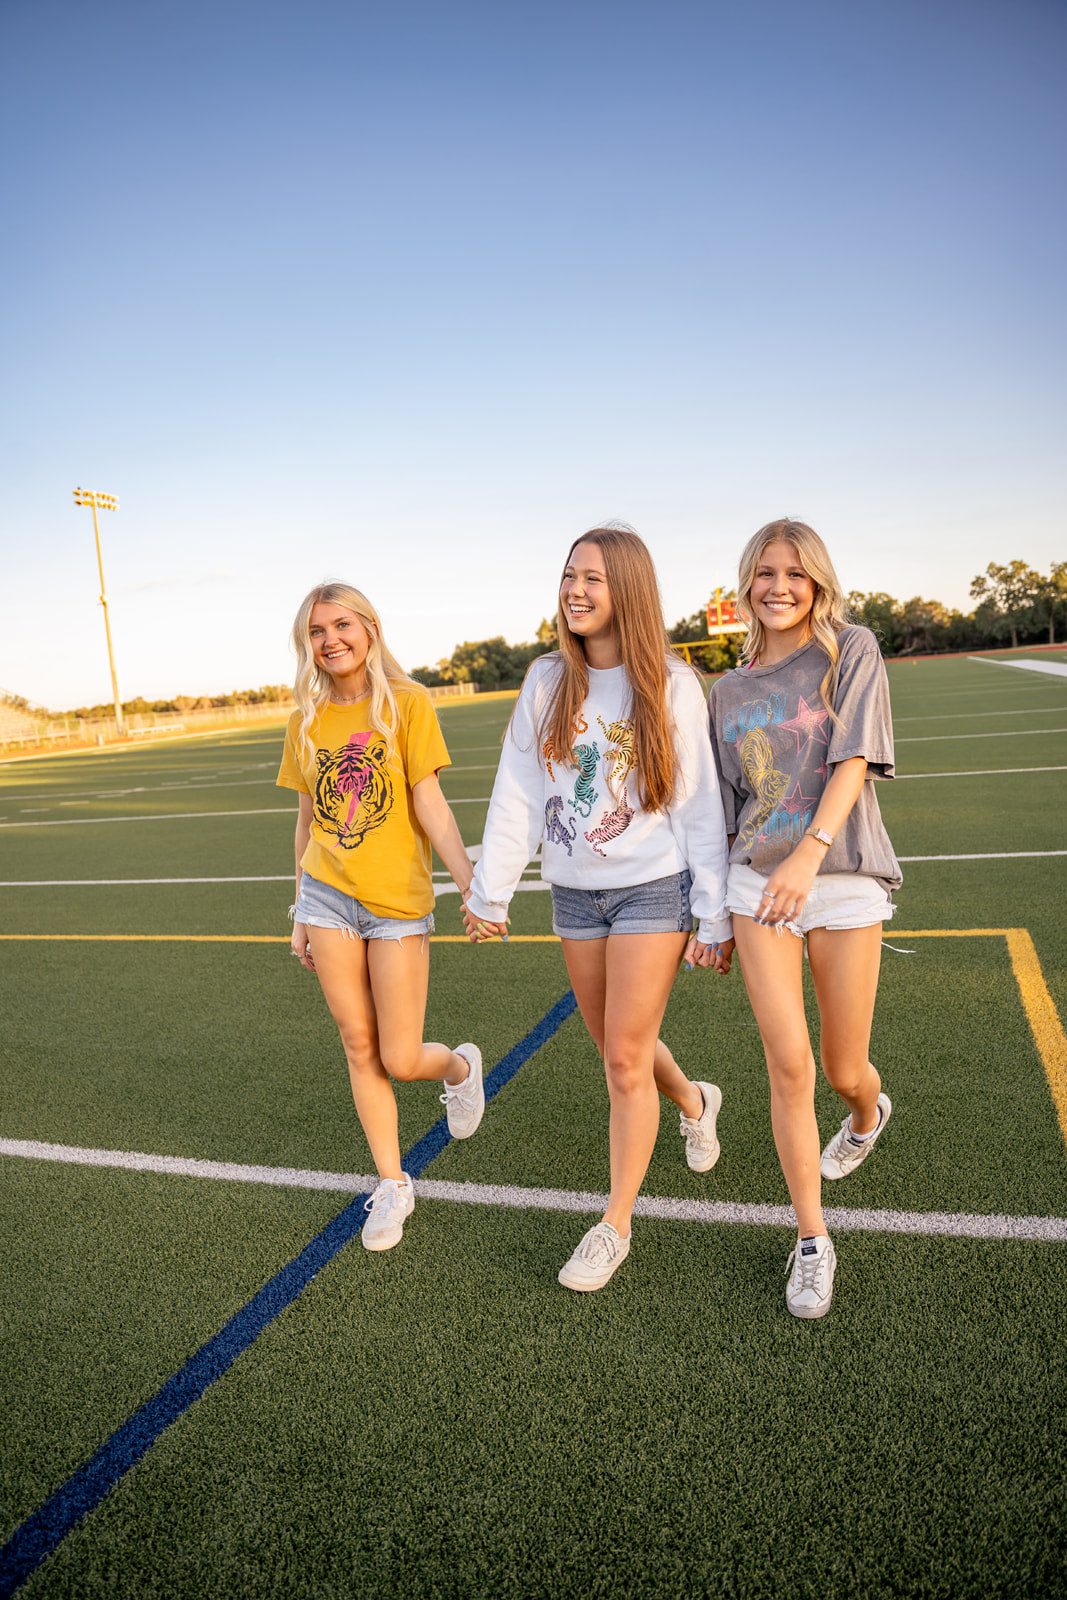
pixel 300 945
pixel 790 883
pixel 439 825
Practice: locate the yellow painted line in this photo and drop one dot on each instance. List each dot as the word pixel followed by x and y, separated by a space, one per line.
pixel 1041 1013
pixel 1043 1017
pixel 241 938
pixel 152 938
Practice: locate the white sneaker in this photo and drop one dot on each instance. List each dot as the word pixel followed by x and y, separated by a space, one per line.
pixel 844 1153
pixel 701 1143
pixel 811 1284
pixel 464 1102
pixel 595 1259
pixel 390 1206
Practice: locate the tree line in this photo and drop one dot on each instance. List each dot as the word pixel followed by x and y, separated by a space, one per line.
pixel 1017 605
pixel 266 694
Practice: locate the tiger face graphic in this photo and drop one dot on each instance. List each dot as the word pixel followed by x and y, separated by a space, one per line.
pixel 353 789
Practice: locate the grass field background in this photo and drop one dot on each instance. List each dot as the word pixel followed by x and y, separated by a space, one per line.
pixel 444 1419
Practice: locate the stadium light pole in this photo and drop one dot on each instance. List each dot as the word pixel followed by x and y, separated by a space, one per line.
pixel 106 502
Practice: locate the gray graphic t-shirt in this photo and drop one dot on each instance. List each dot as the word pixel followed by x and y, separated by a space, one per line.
pixel 775 744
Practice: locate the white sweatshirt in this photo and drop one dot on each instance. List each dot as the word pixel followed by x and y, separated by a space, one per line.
pixel 596 835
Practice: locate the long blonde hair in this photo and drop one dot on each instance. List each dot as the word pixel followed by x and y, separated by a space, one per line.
pixel 829 610
pixel 383 673
pixel 641 638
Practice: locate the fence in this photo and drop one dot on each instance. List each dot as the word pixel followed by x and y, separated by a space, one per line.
pixel 34 733
pixel 21 730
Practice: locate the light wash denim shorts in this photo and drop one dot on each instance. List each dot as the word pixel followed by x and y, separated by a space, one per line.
pixel 321 906
pixel 661 906
pixel 835 901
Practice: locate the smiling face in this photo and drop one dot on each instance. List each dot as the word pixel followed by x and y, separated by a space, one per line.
pixel 584 596
pixel 339 645
pixel 782 596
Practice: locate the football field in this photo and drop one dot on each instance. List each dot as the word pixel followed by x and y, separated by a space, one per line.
pixel 211 1389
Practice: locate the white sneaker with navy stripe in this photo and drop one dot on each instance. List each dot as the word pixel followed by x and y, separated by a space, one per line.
pixel 845 1152
pixel 811 1282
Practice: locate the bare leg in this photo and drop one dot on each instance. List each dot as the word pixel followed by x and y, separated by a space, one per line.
pixel 378 1001
pixel 622 985
pixel 771 964
pixel 844 965
pixel 672 1082
pixel 670 1079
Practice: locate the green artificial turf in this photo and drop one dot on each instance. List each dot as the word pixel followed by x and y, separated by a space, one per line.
pixel 443 1419
pixel 446 1421
pixel 111 1280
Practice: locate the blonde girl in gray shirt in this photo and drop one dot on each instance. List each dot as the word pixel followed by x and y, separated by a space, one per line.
pixel 800 729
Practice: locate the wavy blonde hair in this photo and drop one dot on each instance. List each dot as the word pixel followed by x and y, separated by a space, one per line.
pixel 638 630
pixel 829 610
pixel 383 673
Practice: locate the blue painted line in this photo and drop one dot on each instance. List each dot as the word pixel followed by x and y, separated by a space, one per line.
pixel 44 1531
pixel 432 1143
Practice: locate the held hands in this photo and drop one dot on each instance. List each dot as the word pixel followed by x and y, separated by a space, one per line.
pixel 478 930
pixel 717 956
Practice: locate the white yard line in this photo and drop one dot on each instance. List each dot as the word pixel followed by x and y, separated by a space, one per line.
pixel 185 816
pixel 86 883
pixel 988 772
pixel 1012 733
pixel 162 816
pixel 439 888
pixel 962 716
pixel 1055 669
pixel 955 1225
pixel 991 855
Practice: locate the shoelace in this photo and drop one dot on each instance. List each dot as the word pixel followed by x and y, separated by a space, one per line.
pixel 600 1243
pixel 694 1134
pixel 458 1091
pixel 385 1196
pixel 809 1270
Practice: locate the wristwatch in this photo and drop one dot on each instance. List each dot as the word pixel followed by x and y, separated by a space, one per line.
pixel 823 837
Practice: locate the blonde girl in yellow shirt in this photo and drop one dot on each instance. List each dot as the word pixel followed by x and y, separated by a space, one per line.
pixel 363 750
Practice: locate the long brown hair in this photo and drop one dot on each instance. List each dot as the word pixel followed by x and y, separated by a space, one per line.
pixel 829 610
pixel 641 638
pixel 383 674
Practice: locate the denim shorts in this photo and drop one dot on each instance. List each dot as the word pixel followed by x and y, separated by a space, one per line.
pixel 321 906
pixel 836 900
pixel 661 906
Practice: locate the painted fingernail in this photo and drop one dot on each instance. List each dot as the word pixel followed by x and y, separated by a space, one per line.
pixel 503 938
pixel 689 966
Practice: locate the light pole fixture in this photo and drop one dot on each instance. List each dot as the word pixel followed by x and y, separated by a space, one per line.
pixel 106 502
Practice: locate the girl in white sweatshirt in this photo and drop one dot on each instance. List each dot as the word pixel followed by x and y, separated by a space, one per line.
pixel 606 764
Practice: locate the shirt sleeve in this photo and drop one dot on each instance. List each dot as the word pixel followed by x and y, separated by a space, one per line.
pixel 289 774
pixel 727 768
pixel 696 814
pixel 420 742
pixel 515 822
pixel 861 705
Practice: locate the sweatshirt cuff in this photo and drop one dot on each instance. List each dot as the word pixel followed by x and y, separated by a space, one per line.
pixel 716 932
pixel 484 911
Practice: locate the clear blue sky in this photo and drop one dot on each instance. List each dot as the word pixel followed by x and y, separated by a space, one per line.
pixel 411 294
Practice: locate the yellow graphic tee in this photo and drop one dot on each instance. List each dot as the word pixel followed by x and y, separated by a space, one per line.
pixel 365 836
